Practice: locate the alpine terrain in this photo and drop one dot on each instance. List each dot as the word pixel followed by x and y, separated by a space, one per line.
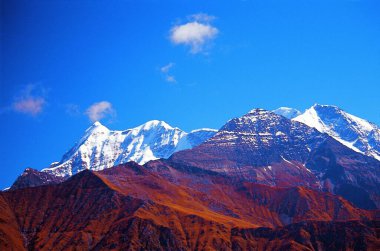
pixel 102 148
pixel 356 133
pixel 268 180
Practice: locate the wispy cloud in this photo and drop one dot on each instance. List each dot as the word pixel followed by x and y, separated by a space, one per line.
pixel 165 70
pixel 196 33
pixel 30 101
pixel 100 110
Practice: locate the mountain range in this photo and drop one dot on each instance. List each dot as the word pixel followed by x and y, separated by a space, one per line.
pixel 160 206
pixel 101 148
pixel 268 180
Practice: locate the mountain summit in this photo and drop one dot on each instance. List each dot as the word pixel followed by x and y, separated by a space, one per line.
pixel 101 148
pixel 356 133
pixel 287 112
pixel 269 149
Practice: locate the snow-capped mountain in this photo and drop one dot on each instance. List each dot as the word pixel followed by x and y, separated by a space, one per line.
pixel 287 112
pixel 260 146
pixel 102 148
pixel 267 148
pixel 356 133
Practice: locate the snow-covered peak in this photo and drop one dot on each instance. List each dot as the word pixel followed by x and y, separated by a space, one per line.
pixel 154 124
pixel 354 132
pixel 102 148
pixel 96 126
pixel 96 123
pixel 287 112
pixel 257 121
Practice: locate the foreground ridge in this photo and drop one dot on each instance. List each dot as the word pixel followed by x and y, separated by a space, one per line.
pixel 161 206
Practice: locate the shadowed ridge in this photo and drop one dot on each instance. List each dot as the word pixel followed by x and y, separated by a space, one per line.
pixel 310 235
pixel 129 167
pixel 161 165
pixel 32 178
pixel 297 204
pixel 345 172
pixel 86 179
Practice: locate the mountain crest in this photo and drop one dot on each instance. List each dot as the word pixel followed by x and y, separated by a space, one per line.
pixel 354 132
pixel 287 112
pixel 101 148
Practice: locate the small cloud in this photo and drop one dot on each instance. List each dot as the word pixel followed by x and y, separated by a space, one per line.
pixel 30 101
pixel 100 110
pixel 196 33
pixel 165 70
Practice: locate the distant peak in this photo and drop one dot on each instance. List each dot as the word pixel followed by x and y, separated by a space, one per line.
pixel 287 112
pixel 155 123
pixel 318 106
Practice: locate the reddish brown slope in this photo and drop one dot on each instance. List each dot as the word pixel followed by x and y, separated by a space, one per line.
pixel 351 235
pixel 10 235
pixel 160 207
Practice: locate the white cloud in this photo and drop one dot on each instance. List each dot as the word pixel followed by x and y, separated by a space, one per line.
pixel 30 105
pixel 165 70
pixel 196 33
pixel 100 110
pixel 31 100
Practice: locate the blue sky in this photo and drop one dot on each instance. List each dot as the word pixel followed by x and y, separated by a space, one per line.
pixel 190 63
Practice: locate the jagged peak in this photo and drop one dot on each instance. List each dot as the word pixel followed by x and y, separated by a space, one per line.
pixel 96 127
pixel 155 124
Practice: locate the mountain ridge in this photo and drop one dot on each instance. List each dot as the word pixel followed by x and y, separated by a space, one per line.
pixel 354 132
pixel 135 207
pixel 267 148
pixel 101 148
